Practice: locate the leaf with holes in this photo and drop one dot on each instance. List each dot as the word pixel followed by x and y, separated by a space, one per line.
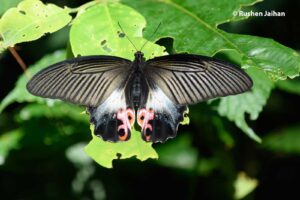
pixel 107 38
pixel 105 152
pixel 29 21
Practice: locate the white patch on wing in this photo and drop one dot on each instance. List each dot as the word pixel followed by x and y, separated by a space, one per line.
pixel 159 102
pixel 113 103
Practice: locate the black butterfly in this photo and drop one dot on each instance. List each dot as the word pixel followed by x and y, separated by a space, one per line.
pixel 156 92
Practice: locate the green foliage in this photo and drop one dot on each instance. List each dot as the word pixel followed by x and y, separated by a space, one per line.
pixel 29 21
pixel 185 156
pixel 20 94
pixel 193 26
pixel 8 142
pixel 284 141
pixel 106 38
pixel 104 152
pixel 290 85
pixel 235 107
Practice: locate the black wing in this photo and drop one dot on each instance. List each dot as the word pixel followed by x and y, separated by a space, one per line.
pixel 87 80
pixel 188 79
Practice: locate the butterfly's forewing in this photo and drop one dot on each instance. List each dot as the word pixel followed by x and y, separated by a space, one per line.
pixel 97 82
pixel 87 80
pixel 188 79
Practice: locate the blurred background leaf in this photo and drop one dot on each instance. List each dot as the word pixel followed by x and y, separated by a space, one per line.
pixel 286 141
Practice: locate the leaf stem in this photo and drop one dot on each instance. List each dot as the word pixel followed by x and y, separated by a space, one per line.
pixel 19 60
pixel 84 6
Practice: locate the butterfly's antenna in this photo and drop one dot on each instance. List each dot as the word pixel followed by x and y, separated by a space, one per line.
pixel 127 36
pixel 151 35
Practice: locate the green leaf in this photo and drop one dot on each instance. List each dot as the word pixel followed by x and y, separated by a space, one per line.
pixel 244 185
pixel 194 27
pixel 59 110
pixel 105 152
pixel 29 21
pixel 20 94
pixel 290 85
pixel 8 142
pixel 235 107
pixel 107 38
pixel 286 140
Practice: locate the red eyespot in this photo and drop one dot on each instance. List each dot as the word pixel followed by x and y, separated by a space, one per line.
pixel 122 132
pixel 130 116
pixel 148 132
pixel 141 116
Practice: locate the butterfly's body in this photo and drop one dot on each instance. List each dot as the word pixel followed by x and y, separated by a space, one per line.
pixel 154 93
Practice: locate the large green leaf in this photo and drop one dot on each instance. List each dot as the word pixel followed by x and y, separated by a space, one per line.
pixel 107 38
pixel 29 21
pixel 103 36
pixel 20 94
pixel 105 152
pixel 235 107
pixel 194 27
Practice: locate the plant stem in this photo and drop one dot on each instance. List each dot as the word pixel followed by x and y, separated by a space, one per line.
pixel 19 60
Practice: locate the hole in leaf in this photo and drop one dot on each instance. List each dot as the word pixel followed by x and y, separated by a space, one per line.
pixel 121 35
pixel 107 49
pixel 167 42
pixel 22 12
pixel 103 42
pixel 185 115
pixel 23 35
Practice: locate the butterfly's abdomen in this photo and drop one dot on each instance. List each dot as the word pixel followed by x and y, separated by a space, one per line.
pixel 137 91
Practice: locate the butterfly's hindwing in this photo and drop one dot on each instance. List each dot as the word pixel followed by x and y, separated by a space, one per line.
pixel 189 79
pixel 113 119
pixel 159 117
pixel 87 80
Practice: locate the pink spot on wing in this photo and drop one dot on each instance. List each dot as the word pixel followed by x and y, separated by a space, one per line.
pixel 144 116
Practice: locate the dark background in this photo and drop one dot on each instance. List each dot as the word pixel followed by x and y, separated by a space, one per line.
pixel 39 171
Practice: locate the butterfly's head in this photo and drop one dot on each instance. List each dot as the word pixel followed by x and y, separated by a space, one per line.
pixel 139 56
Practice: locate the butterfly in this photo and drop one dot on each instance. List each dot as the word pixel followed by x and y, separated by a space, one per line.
pixel 154 93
